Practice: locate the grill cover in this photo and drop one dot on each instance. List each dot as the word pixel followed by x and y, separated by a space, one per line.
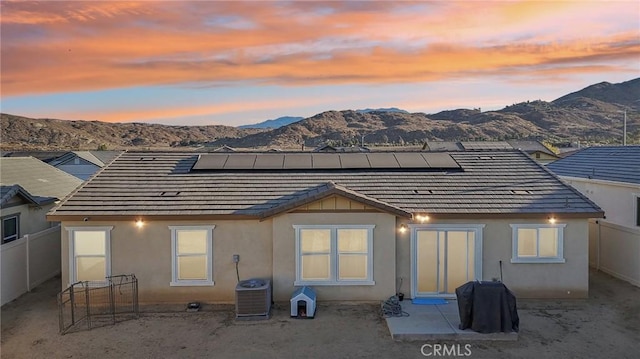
pixel 487 307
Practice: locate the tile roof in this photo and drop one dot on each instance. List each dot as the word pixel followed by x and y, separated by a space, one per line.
pixel 8 192
pixel 328 189
pixel 610 163
pixel 37 177
pixel 527 146
pixel 163 184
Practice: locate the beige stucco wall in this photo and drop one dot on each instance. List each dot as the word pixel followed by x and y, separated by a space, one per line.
pixel 146 252
pixel 538 280
pixel 32 219
pixel 384 252
pixel 267 250
pixel 618 200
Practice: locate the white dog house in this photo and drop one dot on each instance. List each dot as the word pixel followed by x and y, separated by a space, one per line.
pixel 303 303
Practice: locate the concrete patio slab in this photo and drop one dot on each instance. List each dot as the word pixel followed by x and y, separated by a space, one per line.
pixel 436 322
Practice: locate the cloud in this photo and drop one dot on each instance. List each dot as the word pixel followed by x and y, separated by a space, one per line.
pixel 55 47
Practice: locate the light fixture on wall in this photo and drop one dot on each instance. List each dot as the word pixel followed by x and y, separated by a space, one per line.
pixel 403 228
pixel 422 218
pixel 139 223
pixel 552 220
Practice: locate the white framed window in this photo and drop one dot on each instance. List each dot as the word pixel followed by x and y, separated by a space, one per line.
pixel 334 254
pixel 89 254
pixel 538 243
pixel 10 228
pixel 191 255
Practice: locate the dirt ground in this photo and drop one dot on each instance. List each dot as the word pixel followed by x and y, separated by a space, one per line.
pixel 607 325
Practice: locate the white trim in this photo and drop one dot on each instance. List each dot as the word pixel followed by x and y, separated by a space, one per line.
pixel 175 282
pixel 636 206
pixel 599 181
pixel 72 258
pixel 334 264
pixel 476 228
pixel 15 216
pixel 559 258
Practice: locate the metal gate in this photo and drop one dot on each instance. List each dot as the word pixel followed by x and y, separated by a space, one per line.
pixel 96 305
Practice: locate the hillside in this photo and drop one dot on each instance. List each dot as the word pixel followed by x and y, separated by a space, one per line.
pixel 22 133
pixel 592 114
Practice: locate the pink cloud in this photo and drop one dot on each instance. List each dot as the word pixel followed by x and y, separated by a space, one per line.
pixel 81 46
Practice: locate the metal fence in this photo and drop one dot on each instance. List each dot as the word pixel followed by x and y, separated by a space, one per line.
pixel 96 305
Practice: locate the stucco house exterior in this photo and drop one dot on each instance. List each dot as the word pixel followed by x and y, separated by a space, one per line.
pixel 610 177
pixel 30 244
pixel 350 225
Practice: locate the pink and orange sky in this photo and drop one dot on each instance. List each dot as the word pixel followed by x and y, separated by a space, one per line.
pixel 234 63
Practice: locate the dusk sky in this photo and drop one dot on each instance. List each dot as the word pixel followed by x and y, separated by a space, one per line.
pixel 234 63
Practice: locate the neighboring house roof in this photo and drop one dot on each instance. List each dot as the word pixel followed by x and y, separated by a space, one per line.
pixel 609 163
pixel 164 184
pixel 98 158
pixel 529 147
pixel 329 148
pixel 8 192
pixel 443 146
pixel 45 156
pixel 225 148
pixel 485 145
pixel 37 177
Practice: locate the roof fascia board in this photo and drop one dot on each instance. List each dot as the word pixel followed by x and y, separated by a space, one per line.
pixel 600 181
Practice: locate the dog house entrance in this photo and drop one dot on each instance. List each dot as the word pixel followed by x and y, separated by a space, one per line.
pixel 302 309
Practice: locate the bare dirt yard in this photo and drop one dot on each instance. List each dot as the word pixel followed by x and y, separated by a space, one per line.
pixel 607 325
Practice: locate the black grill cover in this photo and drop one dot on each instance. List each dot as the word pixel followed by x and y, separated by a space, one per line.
pixel 487 307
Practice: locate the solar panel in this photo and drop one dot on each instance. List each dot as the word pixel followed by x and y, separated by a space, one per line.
pixel 269 161
pixel 440 160
pixel 240 162
pixel 308 161
pixel 411 160
pixel 210 162
pixel 297 161
pixel 383 160
pixel 326 160
pixel 354 160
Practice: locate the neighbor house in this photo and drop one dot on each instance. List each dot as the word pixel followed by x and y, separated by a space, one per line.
pixel 354 226
pixel 82 164
pixel 536 149
pixel 30 243
pixel 610 176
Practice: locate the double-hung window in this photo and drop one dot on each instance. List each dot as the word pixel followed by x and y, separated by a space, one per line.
pixel 192 255
pixel 10 228
pixel 89 253
pixel 334 255
pixel 538 243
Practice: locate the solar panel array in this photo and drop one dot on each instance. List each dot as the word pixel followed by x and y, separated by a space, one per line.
pixel 313 161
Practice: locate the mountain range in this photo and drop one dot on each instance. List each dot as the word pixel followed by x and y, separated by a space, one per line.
pixel 593 114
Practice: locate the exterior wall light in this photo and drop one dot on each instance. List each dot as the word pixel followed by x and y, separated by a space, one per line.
pixel 422 218
pixel 403 228
pixel 552 220
pixel 139 223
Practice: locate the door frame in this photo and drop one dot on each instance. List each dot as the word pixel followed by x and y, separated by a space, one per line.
pixel 477 228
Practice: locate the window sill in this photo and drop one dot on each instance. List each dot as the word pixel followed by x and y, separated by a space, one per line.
pixel 538 260
pixel 333 283
pixel 185 283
